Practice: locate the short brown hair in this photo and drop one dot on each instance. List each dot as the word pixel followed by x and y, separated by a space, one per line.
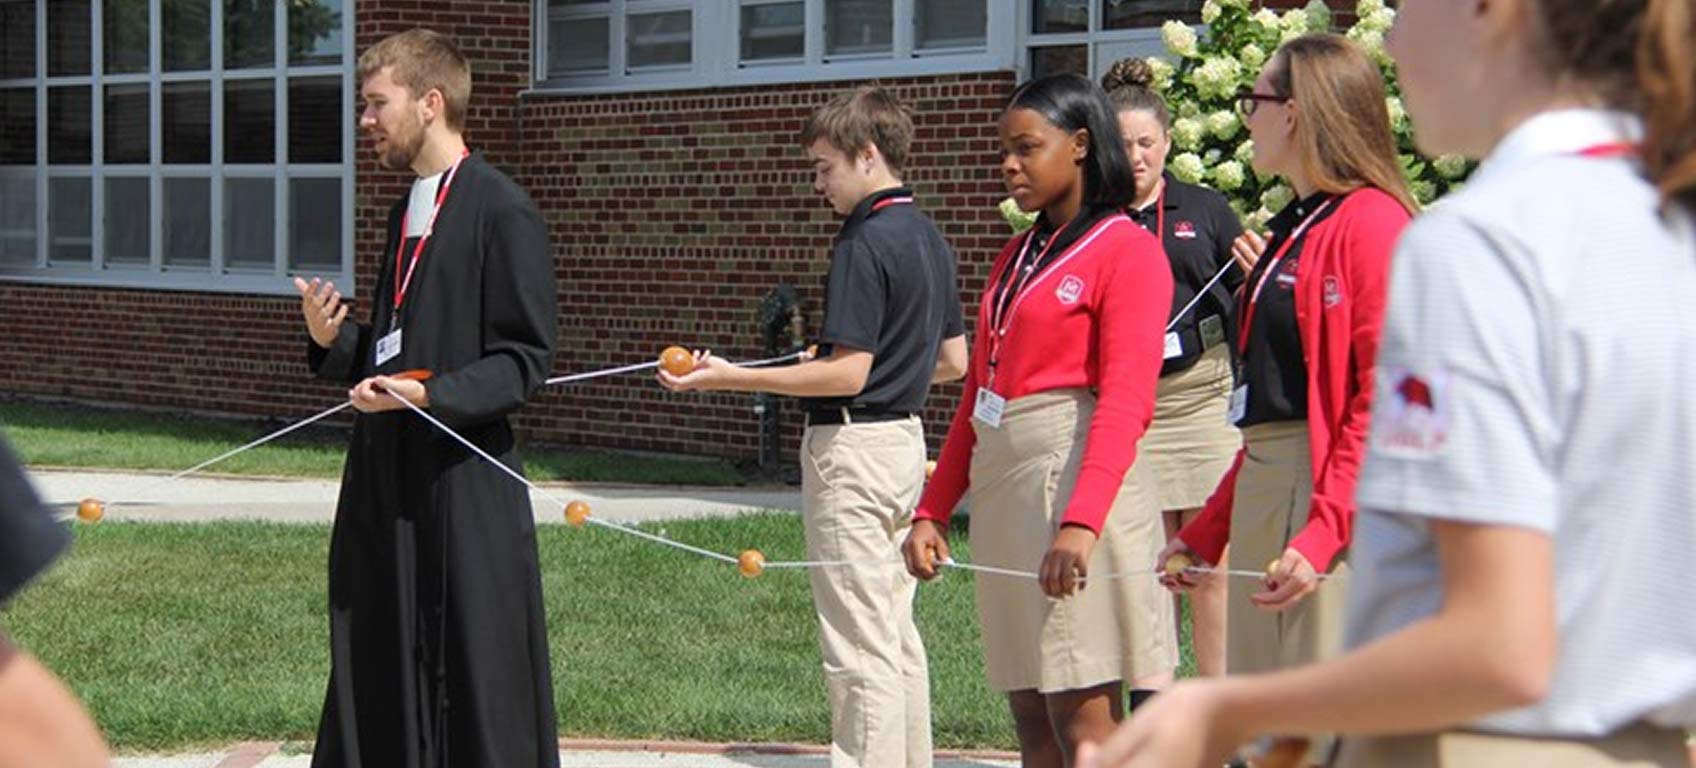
pixel 421 60
pixel 868 115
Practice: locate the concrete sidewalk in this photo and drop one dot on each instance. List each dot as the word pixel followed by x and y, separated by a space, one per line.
pixel 584 754
pixel 156 498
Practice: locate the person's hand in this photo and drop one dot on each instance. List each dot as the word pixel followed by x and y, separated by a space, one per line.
pixel 1184 580
pixel 1180 727
pixel 1066 565
pixel 1247 249
pixel 373 394
pixel 322 306
pixel 1290 579
pixel 710 374
pixel 925 548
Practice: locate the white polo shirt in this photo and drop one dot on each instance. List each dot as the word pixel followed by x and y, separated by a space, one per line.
pixel 1538 370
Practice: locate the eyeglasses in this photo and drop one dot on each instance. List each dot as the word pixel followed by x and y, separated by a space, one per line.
pixel 1248 101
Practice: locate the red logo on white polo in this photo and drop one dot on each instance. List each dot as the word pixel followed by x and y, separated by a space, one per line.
pixel 1333 291
pixel 1411 416
pixel 1071 289
pixel 1184 230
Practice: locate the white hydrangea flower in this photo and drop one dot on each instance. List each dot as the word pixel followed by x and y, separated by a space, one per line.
pixel 1245 152
pixel 1212 157
pixel 1187 132
pixel 1210 11
pixel 1217 77
pixel 1366 8
pixel 1424 191
pixel 1277 197
pixel 1189 108
pixel 1162 71
pixel 1187 167
pixel 1016 218
pixel 1372 41
pixel 1318 15
pixel 1289 34
pixel 1257 220
pixel 1228 176
pixel 1381 20
pixel 1241 5
pixel 1223 124
pixel 1398 113
pixel 1294 19
pixel 1252 56
pixel 1268 20
pixel 1451 166
pixel 1179 38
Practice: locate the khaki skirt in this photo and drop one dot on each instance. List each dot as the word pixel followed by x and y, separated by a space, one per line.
pixel 1637 746
pixel 1274 487
pixel 1192 443
pixel 1022 475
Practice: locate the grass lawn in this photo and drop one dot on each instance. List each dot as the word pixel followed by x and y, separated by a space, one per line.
pixel 69 436
pixel 186 635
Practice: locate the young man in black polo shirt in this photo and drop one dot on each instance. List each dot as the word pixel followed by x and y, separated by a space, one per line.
pixel 892 326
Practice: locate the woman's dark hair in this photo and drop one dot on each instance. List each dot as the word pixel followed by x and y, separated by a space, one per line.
pixel 1129 84
pixel 1640 56
pixel 1073 103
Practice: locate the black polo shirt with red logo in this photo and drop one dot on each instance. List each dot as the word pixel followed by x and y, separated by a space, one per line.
pixel 1199 227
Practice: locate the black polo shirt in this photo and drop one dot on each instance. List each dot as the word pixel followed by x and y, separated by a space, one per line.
pixel 1199 229
pixel 29 537
pixel 1273 365
pixel 891 291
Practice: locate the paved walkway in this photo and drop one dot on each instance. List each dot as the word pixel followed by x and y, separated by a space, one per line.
pixel 583 754
pixel 150 497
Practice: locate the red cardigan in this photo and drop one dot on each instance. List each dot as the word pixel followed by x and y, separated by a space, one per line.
pixel 1095 318
pixel 1340 280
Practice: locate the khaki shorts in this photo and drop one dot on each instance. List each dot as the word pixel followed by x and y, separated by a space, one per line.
pixel 1636 746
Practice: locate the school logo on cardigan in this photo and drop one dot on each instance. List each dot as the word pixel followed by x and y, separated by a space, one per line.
pixel 1412 418
pixel 1184 230
pixel 1333 291
pixel 1071 289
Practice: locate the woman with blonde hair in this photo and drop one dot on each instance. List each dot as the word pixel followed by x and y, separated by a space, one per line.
pixel 1523 593
pixel 1308 320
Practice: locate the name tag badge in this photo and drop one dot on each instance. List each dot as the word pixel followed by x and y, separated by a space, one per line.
pixel 989 408
pixel 1239 404
pixel 388 346
pixel 1212 331
pixel 1174 345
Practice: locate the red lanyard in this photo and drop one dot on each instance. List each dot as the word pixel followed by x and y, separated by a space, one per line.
pixel 1001 308
pixel 1160 214
pixel 1271 270
pixel 429 228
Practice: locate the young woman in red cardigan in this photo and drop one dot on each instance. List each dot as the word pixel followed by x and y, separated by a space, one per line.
pixel 1061 385
pixel 1308 321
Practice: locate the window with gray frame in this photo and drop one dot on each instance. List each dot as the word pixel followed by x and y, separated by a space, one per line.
pixel 1086 36
pixel 192 144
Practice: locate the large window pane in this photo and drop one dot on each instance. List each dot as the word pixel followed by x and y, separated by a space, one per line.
pixel 127 217
pixel 185 33
pixel 1056 16
pixel 858 27
pixel 250 221
pixel 17 220
pixel 17 126
pixel 950 24
pixel 315 119
pixel 17 39
pixel 126 123
pixel 67 37
pixel 125 26
pixel 250 116
pixel 1129 14
pixel 315 225
pixel 576 46
pixel 68 129
pixel 68 217
pixel 186 122
pixel 659 39
pixel 773 31
pixel 250 38
pixel 1055 59
pixel 315 32
pixel 188 215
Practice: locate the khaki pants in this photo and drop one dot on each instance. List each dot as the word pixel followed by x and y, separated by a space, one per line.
pixel 1274 487
pixel 859 485
pixel 1637 746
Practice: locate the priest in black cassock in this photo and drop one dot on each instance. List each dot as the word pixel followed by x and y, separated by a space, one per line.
pixel 438 646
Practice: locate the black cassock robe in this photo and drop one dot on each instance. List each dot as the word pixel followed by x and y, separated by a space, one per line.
pixel 438 644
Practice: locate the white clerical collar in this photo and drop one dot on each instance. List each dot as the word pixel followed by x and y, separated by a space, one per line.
pixel 1561 132
pixel 421 203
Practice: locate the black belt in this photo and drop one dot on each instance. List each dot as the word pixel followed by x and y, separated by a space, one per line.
pixel 824 417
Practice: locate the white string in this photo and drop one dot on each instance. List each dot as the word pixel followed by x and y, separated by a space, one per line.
pixel 1199 294
pixel 655 364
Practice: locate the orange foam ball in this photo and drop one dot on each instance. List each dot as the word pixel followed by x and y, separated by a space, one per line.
pixel 1285 752
pixel 751 564
pixel 677 361
pixel 577 513
pixel 930 469
pixel 91 510
pixel 1272 566
pixel 1178 563
pixel 812 352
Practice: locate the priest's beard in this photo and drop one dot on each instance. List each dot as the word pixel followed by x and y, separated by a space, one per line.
pixel 404 146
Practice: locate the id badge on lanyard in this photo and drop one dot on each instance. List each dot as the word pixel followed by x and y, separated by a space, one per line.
pixel 389 345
